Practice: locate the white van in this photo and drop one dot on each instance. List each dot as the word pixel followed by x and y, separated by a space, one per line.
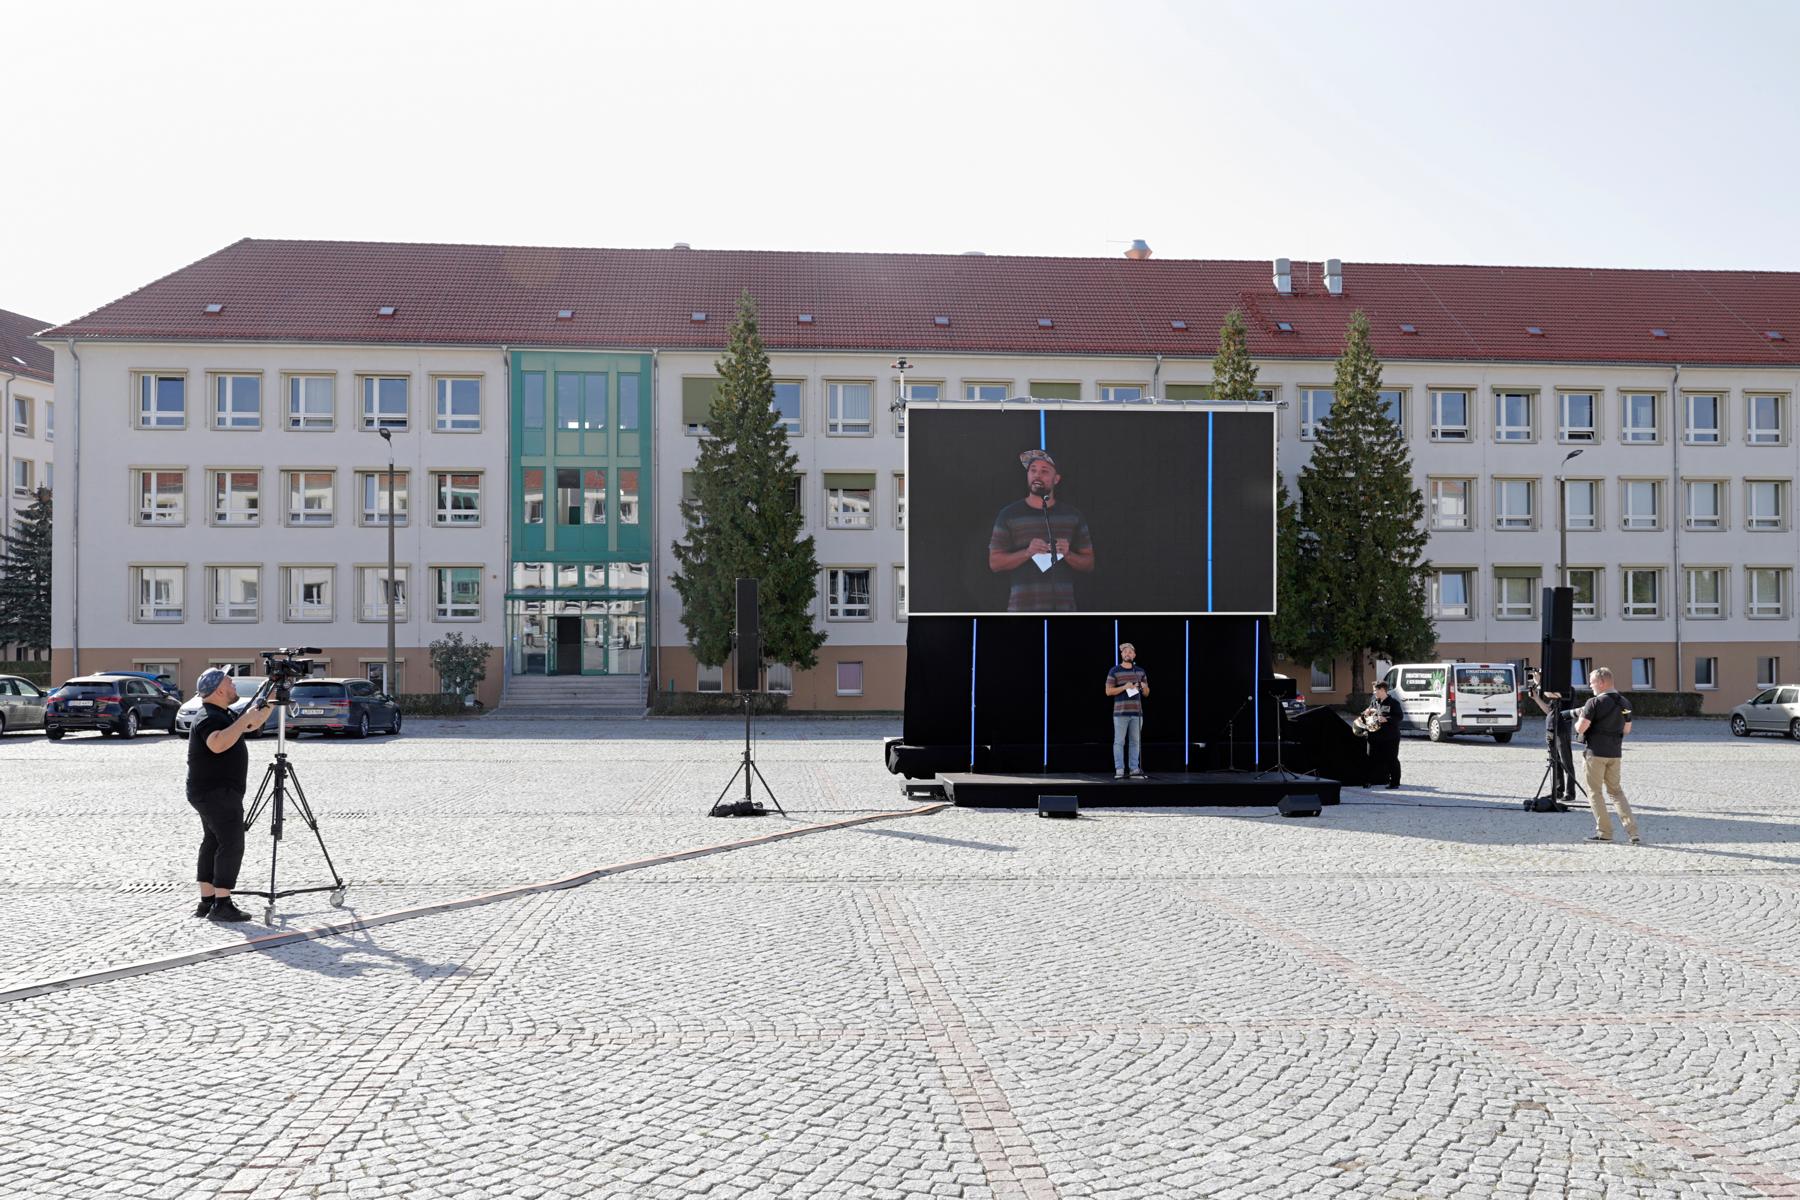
pixel 1448 698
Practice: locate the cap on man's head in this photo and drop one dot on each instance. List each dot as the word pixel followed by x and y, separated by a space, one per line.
pixel 209 682
pixel 1031 456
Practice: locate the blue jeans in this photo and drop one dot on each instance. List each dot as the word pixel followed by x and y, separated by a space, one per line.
pixel 1127 729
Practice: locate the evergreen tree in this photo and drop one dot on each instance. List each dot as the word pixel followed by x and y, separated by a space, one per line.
pixel 742 519
pixel 1234 375
pixel 25 577
pixel 1292 629
pixel 1364 524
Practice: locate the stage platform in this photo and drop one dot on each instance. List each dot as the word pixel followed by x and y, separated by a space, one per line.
pixel 1164 789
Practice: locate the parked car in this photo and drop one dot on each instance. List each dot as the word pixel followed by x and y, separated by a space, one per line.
pixel 351 706
pixel 164 682
pixel 21 704
pixel 1772 710
pixel 121 704
pixel 1448 698
pixel 189 712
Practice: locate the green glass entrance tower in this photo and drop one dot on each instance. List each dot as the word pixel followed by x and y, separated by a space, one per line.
pixel 578 603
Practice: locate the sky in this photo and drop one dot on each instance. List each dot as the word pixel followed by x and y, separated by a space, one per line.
pixel 1647 134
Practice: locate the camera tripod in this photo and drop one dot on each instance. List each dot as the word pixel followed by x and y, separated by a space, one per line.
pixel 747 807
pixel 273 795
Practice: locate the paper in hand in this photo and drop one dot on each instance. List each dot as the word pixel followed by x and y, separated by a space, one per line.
pixel 1044 561
pixel 1131 691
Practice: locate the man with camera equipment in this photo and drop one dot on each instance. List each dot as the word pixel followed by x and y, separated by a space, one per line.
pixel 1556 738
pixel 218 765
pixel 1605 723
pixel 1384 739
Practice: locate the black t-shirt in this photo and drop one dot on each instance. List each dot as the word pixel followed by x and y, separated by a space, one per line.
pixel 1607 715
pixel 209 772
pixel 1390 728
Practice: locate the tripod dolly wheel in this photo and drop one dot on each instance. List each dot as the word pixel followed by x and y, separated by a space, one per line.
pixel 337 897
pixel 269 913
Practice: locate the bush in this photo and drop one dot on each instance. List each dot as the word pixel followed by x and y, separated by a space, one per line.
pixel 461 663
pixel 1662 704
pixel 37 672
pixel 435 704
pixel 712 704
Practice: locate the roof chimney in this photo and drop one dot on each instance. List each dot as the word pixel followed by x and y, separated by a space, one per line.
pixel 1140 249
pixel 682 246
pixel 1334 276
pixel 1284 276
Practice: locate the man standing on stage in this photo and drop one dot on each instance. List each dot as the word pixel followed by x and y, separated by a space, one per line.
pixel 1039 540
pixel 1604 725
pixel 1384 742
pixel 1127 684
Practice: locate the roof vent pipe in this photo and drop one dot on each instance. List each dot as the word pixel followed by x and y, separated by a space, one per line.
pixel 1140 249
pixel 1284 276
pixel 1334 276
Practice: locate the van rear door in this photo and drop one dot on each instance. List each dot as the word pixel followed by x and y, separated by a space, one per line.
pixel 1487 697
pixel 1421 694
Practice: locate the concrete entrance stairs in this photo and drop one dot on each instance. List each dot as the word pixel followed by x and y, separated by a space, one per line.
pixel 541 696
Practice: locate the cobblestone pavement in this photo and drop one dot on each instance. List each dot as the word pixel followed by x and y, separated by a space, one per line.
pixel 1423 993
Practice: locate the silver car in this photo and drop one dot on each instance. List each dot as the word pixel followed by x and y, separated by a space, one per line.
pixel 21 704
pixel 189 712
pixel 1772 710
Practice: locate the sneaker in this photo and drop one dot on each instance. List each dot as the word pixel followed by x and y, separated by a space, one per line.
pixel 1392 786
pixel 1120 774
pixel 1599 837
pixel 1636 841
pixel 204 907
pixel 224 910
pixel 1139 775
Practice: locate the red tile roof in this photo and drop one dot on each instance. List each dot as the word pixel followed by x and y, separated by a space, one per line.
pixel 491 295
pixel 18 352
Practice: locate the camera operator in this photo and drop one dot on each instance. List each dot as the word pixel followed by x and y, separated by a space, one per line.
pixel 1556 739
pixel 218 767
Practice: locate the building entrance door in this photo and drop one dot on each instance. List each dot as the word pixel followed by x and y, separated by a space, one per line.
pixel 568 645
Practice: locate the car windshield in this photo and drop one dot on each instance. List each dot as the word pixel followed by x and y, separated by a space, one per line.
pixel 318 691
pixel 89 687
pixel 1484 681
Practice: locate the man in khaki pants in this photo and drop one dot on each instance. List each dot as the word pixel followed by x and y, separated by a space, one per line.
pixel 1604 723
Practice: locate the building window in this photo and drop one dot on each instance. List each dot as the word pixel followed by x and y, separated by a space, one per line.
pixel 1766 504
pixel 848 409
pixel 1581 503
pixel 690 502
pixel 376 673
pixel 987 393
pixel 1643 674
pixel 21 415
pixel 1393 406
pixel 1450 504
pixel 787 406
pixel 458 593
pixel 849 500
pixel 159 593
pixel 848 594
pixel 1643 591
pixel 385 401
pixel 1643 503
pixel 1768 592
pixel 49 420
pixel 900 593
pixel 1706 674
pixel 1705 592
pixel 849 679
pixel 1517 596
pixel 162 497
pixel 628 403
pixel 1315 410
pixel 899 502
pixel 709 679
pixel 162 401
pixel 237 497
pixel 312 402
pixel 1585 583
pixel 1324 676
pixel 1638 418
pixel 1449 416
pixel 628 496
pixel 373 593
pixel 1576 421
pixel 697 395
pixel 916 393
pixel 458 497
pixel 1512 416
pixel 49 476
pixel 1450 595
pixel 1579 669
pixel 21 476
pixel 593 498
pixel 458 405
pixel 532 482
pixel 1705 504
pixel 374 488
pixel 237 401
pixel 1515 503
pixel 236 593
pixel 779 678
pixel 1121 393
pixel 1768 671
pixel 310 498
pixel 1704 424
pixel 1766 420
pixel 309 593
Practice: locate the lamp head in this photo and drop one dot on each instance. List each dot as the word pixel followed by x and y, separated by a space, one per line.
pixel 387 435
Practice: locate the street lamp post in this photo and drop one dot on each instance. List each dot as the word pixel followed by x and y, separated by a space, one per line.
pixel 1562 522
pixel 387 682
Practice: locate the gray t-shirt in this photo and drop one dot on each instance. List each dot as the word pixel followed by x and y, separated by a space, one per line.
pixel 1606 715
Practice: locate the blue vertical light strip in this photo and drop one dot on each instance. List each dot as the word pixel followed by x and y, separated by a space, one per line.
pixel 1209 511
pixel 1046 693
pixel 974 631
pixel 1187 728
pixel 1043 435
pixel 1256 690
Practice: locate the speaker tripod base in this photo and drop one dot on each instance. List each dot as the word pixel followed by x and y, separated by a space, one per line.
pixel 749 806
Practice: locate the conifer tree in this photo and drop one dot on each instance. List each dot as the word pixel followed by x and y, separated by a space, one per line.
pixel 1364 524
pixel 25 577
pixel 1234 375
pixel 742 520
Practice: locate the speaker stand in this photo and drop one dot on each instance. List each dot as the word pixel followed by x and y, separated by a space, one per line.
pixel 748 806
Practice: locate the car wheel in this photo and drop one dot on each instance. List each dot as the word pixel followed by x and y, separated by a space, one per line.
pixel 54 735
pixel 1503 738
pixel 1739 726
pixel 395 728
pixel 1434 729
pixel 362 726
pixel 1794 729
pixel 130 728
pixel 3 724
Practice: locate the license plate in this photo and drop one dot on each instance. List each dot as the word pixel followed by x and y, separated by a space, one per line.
pixel 81 704
pixel 310 712
pixel 1488 719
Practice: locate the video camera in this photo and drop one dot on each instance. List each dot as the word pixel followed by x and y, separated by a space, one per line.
pixel 283 668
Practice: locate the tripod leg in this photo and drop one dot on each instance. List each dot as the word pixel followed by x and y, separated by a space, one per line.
pixel 312 823
pixel 726 788
pixel 766 788
pixel 256 805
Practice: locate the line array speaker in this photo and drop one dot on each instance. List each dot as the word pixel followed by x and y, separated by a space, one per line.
pixel 1558 647
pixel 749 637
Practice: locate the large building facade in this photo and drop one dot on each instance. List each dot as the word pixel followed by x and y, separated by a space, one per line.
pixel 546 409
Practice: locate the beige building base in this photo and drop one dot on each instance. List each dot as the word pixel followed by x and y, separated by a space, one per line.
pixel 883 671
pixel 185 664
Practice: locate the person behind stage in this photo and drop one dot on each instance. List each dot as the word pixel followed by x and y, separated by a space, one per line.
pixel 1556 737
pixel 1384 742
pixel 1604 725
pixel 1127 684
pixel 1040 524
pixel 218 768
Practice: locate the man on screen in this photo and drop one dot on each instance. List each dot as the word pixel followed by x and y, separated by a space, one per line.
pixel 1040 540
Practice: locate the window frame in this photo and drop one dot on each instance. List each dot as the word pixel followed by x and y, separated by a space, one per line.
pixel 444 518
pixel 1649 673
pixel 899 509
pixel 142 412
pixel 976 385
pixel 702 674
pixel 1695 610
pixel 1756 435
pixel 798 426
pixel 22 425
pixel 1596 494
pixel 222 519
pixel 1627 605
pixel 1760 610
pixel 899 578
pixel 908 398
pixel 1402 402
pixel 1626 518
pixel 1768 671
pixel 1502 516
pixel 376 518
pixel 835 424
pixel 139 511
pixel 28 485
pixel 1595 576
pixel 214 604
pixel 1712 673
pixel 227 379
pixel 862 672
pixel 288 607
pixel 1470 606
pixel 834 515
pixel 1309 423
pixel 1571 435
pixel 377 613
pixel 454 617
pixel 1720 519
pixel 1505 610
pixel 296 491
pixel 1629 433
pixel 1720 404
pixel 837 612
pixel 368 389
pixel 1502 432
pixel 136 605
pixel 1444 432
pixel 1778 523
pixel 1105 390
pixel 1432 486
pixel 442 387
pixel 294 385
